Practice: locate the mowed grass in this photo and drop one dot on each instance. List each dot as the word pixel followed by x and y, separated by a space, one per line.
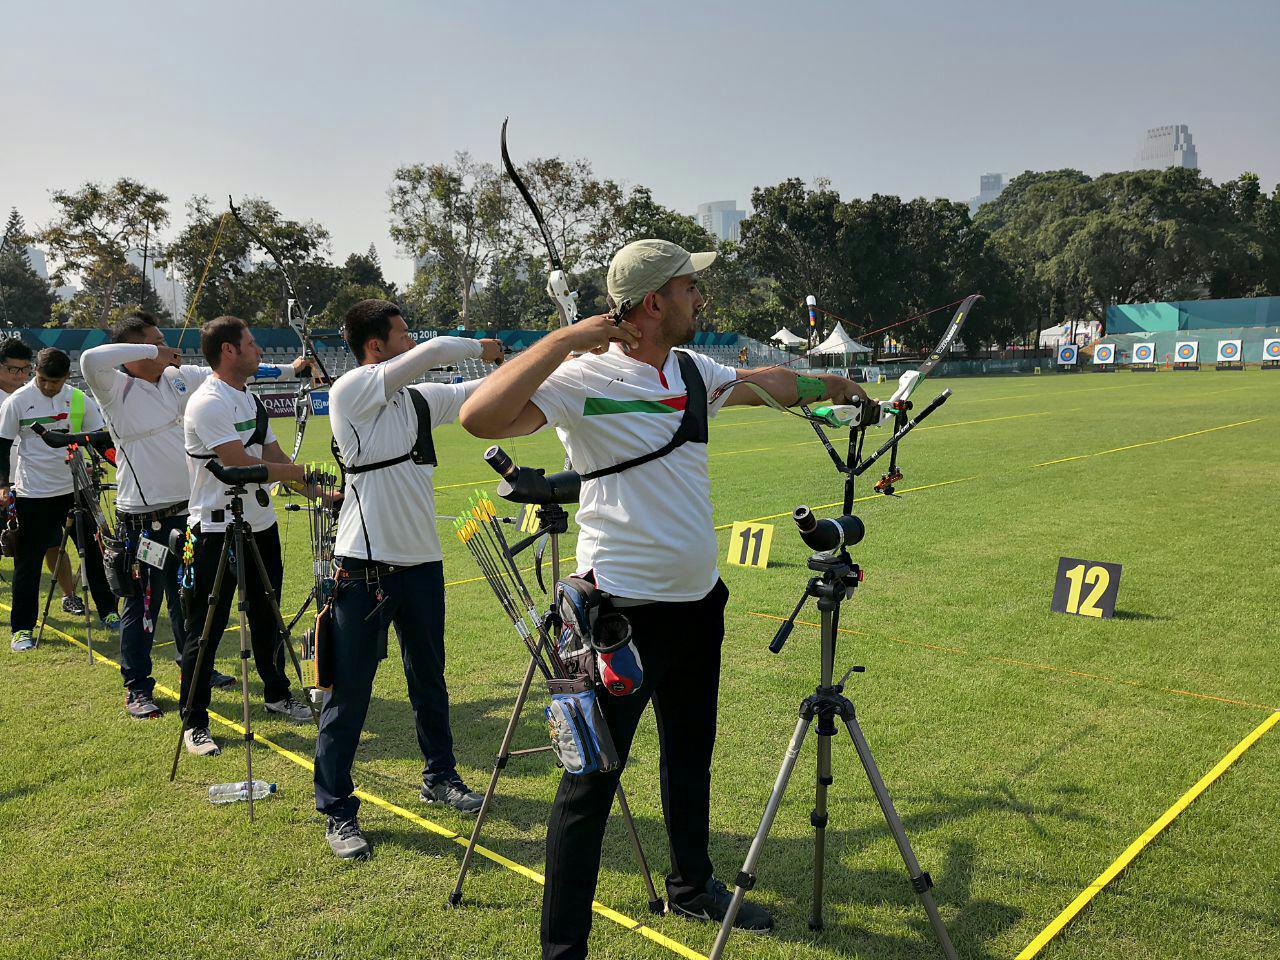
pixel 1025 750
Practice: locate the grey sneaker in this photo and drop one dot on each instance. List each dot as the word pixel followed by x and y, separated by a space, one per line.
pixel 221 680
pixel 199 742
pixel 292 708
pixel 713 903
pixel 22 641
pixel 346 839
pixel 140 706
pixel 73 605
pixel 454 794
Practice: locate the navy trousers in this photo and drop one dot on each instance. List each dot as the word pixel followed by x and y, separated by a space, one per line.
pixel 154 587
pixel 412 601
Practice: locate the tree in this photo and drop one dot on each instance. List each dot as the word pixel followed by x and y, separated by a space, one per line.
pixel 240 279
pixel 91 235
pixel 25 298
pixel 456 213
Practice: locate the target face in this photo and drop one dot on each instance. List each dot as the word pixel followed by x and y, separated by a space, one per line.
pixel 1067 354
pixel 1104 353
pixel 1186 351
pixel 1144 352
pixel 1228 350
pixel 1271 349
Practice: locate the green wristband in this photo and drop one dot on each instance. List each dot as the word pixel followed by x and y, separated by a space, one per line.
pixel 809 388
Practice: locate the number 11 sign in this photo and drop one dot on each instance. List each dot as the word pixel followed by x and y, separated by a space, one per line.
pixel 1086 588
pixel 749 544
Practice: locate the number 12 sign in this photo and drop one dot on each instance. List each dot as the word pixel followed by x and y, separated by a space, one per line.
pixel 1086 588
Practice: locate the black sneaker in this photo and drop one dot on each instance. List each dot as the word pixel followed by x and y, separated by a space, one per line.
pixel 220 680
pixel 713 904
pixel 346 839
pixel 140 706
pixel 73 605
pixel 454 794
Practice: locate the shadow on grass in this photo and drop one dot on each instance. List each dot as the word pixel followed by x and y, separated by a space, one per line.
pixel 1136 615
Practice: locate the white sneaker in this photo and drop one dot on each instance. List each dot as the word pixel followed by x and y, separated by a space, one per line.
pixel 200 743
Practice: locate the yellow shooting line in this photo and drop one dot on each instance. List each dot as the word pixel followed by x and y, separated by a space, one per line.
pixel 1149 443
pixel 624 921
pixel 1131 852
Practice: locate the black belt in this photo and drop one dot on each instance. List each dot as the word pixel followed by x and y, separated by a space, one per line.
pixel 141 519
pixel 357 568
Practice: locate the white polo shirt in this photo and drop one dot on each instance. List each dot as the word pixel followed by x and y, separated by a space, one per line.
pixel 146 422
pixel 216 414
pixel 398 503
pixel 42 470
pixel 647 533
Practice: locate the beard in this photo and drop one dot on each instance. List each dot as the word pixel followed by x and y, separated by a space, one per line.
pixel 678 332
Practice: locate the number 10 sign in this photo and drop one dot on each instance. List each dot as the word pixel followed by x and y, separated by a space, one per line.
pixel 1086 588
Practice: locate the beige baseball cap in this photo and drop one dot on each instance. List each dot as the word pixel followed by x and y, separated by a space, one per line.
pixel 644 266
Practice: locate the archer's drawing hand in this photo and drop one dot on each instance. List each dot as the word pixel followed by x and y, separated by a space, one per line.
pixel 594 334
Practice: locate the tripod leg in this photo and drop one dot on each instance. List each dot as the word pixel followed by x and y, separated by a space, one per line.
pixel 500 762
pixel 655 901
pixel 244 542
pixel 53 583
pixel 201 652
pixel 281 628
pixel 84 581
pixel 746 879
pixel 921 882
pixel 818 819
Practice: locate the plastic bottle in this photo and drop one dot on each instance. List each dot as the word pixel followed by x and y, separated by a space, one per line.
pixel 231 792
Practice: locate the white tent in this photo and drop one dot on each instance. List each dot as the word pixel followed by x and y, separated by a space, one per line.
pixel 786 338
pixel 839 342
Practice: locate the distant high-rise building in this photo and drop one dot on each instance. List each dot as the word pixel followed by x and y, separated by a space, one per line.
pixel 165 284
pixel 990 186
pixel 1167 147
pixel 722 219
pixel 35 257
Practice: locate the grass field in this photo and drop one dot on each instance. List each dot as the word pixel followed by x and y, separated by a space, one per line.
pixel 1025 750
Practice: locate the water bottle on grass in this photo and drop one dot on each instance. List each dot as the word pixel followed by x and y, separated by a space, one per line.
pixel 231 792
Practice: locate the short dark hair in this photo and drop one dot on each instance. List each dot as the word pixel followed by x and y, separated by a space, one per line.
pixel 133 327
pixel 218 331
pixel 14 348
pixel 365 321
pixel 53 363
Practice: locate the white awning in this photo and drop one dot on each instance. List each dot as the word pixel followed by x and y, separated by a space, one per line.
pixel 786 338
pixel 839 342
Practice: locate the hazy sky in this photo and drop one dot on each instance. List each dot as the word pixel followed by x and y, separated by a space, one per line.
pixel 313 105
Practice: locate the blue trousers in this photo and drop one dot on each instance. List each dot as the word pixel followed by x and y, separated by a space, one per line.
pixel 413 601
pixel 153 587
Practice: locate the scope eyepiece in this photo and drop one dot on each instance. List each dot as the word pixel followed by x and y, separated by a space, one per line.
pixel 501 462
pixel 827 535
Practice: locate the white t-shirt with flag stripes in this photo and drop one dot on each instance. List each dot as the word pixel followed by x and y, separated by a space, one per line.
pixel 647 533
pixel 218 413
pixel 42 470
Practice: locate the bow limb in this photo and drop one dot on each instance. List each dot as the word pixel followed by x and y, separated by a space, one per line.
pixel 566 300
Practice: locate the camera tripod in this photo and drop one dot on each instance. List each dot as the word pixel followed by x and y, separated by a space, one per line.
pixel 87 487
pixel 238 548
pixel 837 578
pixel 523 485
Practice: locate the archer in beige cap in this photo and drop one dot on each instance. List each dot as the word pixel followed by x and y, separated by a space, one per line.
pixel 653 284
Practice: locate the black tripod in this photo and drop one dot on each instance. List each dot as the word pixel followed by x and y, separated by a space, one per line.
pixel 238 545
pixel 87 487
pixel 523 485
pixel 837 578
